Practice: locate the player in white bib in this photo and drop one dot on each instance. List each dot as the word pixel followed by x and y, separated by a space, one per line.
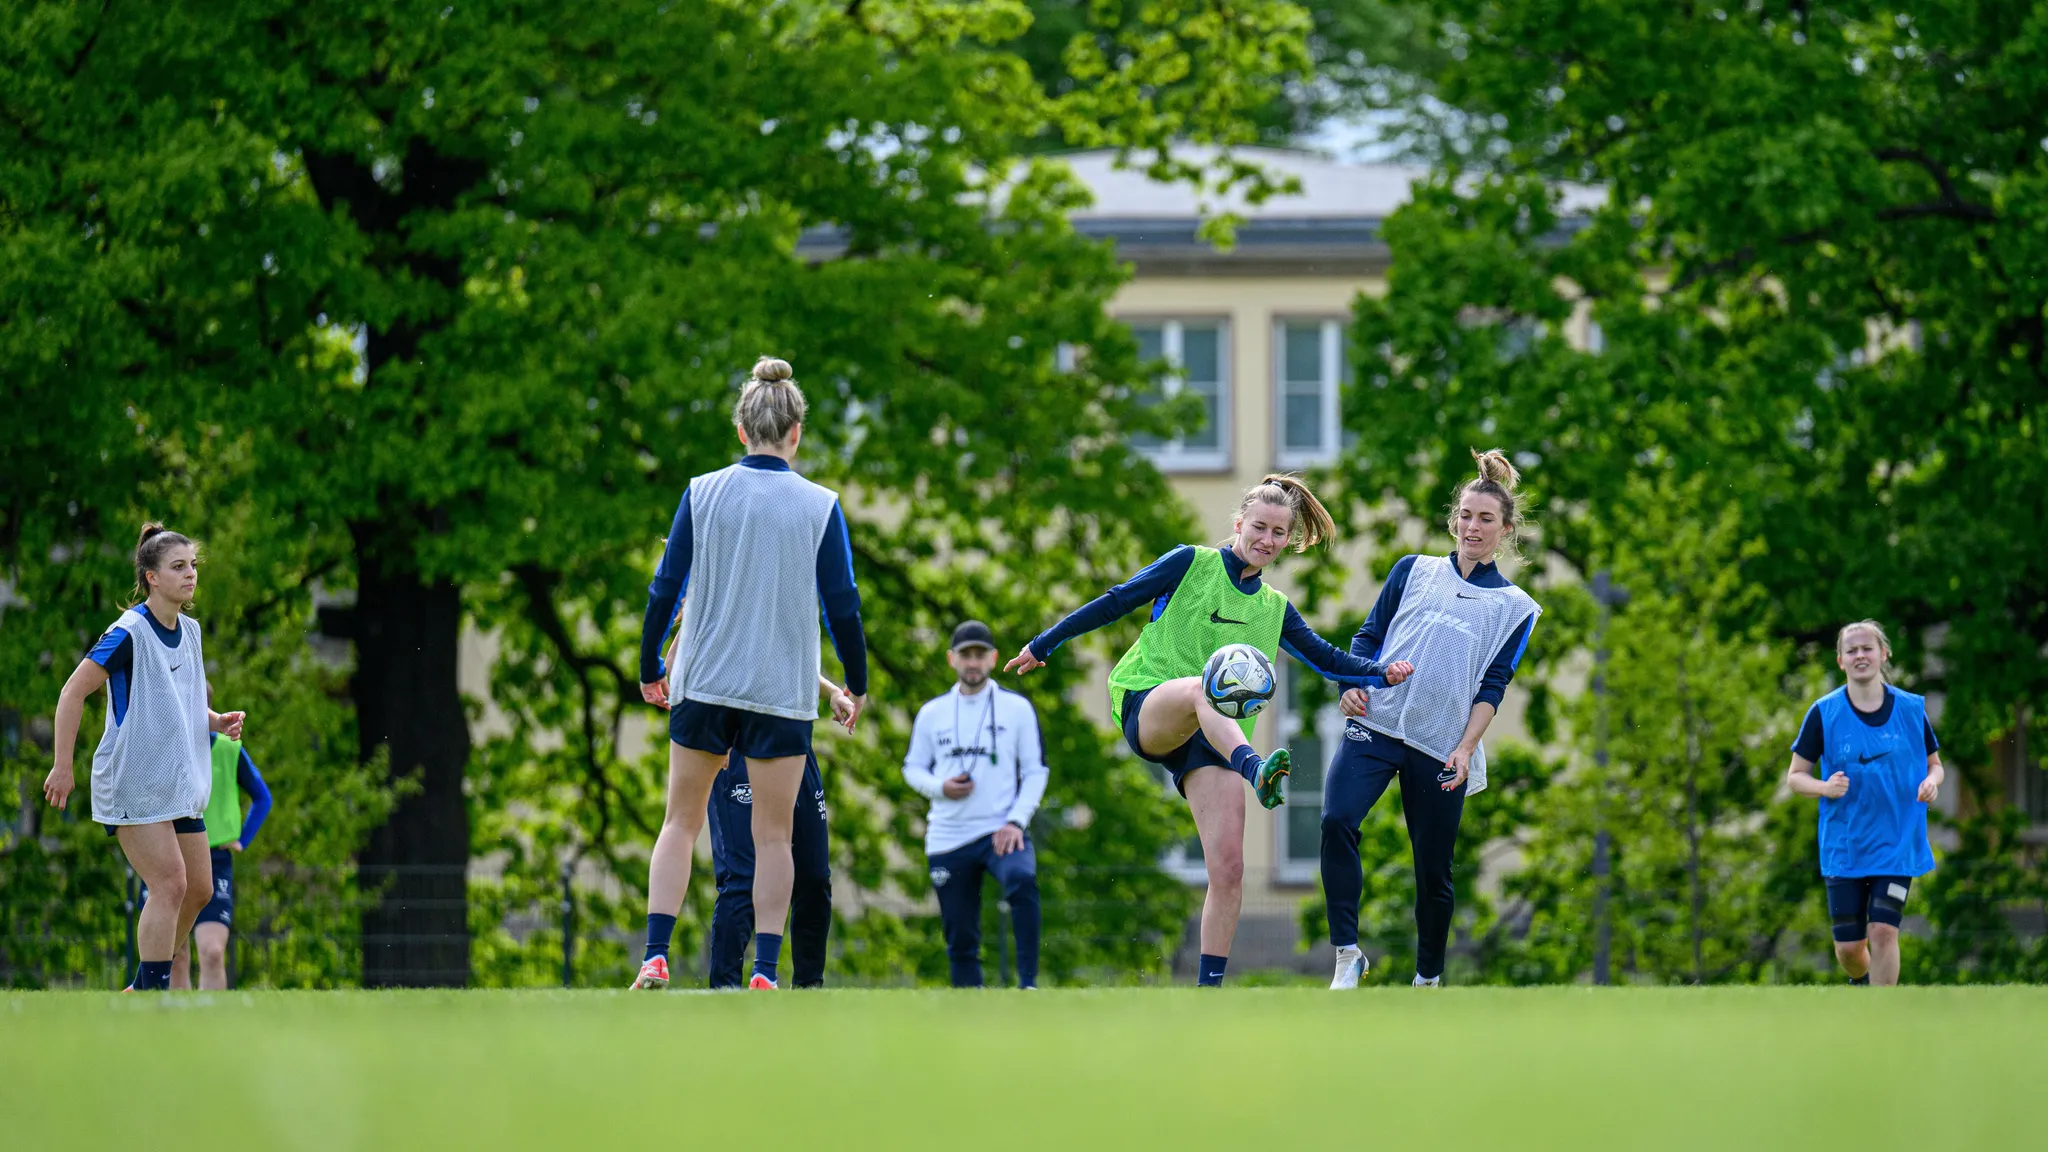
pixel 1464 627
pixel 152 773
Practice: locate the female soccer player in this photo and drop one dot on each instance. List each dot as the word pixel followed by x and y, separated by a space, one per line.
pixel 152 771
pixel 1465 626
pixel 729 819
pixel 1879 768
pixel 759 548
pixel 228 832
pixel 1203 599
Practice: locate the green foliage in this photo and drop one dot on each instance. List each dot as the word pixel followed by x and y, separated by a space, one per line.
pixel 1811 255
pixel 418 302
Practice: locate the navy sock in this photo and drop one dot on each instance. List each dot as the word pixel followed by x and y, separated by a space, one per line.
pixel 767 949
pixel 153 976
pixel 1863 979
pixel 660 930
pixel 1210 973
pixel 1246 763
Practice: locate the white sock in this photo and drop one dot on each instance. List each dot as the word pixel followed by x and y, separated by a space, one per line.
pixel 1422 981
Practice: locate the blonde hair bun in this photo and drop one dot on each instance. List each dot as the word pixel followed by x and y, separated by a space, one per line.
pixel 1495 467
pixel 769 370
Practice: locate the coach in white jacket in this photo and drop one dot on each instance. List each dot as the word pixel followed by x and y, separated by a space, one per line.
pixel 977 753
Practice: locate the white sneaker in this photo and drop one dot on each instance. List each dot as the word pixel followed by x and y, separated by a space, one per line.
pixel 1430 982
pixel 1351 965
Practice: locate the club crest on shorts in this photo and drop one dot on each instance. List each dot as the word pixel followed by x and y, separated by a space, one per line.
pixel 743 793
pixel 940 876
pixel 1353 730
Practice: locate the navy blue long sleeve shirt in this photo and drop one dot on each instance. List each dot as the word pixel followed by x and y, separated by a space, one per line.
pixel 1493 686
pixel 1156 585
pixel 838 595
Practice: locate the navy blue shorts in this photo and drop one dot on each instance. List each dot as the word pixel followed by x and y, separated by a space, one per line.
pixel 721 729
pixel 1197 752
pixel 183 826
pixel 1856 902
pixel 220 907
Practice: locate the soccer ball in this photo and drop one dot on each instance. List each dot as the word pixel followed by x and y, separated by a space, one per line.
pixel 1238 681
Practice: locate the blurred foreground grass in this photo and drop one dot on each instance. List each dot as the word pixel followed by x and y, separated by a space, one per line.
pixel 1383 1068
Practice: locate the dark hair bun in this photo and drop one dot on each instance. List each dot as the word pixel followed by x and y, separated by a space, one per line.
pixel 148 530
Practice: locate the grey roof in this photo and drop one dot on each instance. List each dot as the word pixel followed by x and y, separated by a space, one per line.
pixel 1330 227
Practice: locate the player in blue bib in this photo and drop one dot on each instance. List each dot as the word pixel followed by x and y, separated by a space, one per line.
pixel 1867 751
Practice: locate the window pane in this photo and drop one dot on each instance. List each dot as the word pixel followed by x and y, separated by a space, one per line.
pixel 1151 346
pixel 1199 348
pixel 1304 420
pixel 1304 353
pixel 1304 830
pixel 1202 364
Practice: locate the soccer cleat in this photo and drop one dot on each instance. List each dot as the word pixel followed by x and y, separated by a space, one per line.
pixel 1422 981
pixel 1351 967
pixel 1271 772
pixel 653 974
pixel 760 983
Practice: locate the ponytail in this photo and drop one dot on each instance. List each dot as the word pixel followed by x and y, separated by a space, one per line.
pixel 1312 522
pixel 149 555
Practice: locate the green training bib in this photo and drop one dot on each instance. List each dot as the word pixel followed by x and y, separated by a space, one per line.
pixel 1204 613
pixel 224 807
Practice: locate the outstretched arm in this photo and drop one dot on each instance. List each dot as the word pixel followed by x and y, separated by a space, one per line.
pixel 1152 585
pixel 1300 641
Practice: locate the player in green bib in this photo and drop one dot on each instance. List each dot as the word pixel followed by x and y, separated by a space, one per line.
pixel 1202 599
pixel 228 832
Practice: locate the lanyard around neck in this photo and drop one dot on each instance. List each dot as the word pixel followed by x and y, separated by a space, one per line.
pixel 991 690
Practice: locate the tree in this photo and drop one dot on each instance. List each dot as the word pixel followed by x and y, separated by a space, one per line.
pixel 1813 269
pixel 471 285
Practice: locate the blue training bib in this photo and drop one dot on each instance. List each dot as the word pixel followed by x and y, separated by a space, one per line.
pixel 1879 828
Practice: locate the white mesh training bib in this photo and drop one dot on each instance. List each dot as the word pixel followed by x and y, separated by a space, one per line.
pixel 155 764
pixel 1451 631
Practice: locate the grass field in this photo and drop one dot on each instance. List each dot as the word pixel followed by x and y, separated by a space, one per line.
pixel 1380 1069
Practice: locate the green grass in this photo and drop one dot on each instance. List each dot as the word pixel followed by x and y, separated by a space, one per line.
pixel 1381 1069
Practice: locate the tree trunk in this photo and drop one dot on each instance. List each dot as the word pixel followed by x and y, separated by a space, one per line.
pixel 406 634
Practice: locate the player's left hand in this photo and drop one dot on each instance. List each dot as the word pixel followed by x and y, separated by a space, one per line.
pixel 229 724
pixel 233 845
pixel 843 710
pixel 656 694
pixel 1009 838
pixel 1460 765
pixel 1930 788
pixel 1398 671
pixel 1024 661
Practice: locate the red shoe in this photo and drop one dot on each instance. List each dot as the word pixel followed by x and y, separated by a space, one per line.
pixel 653 974
pixel 760 983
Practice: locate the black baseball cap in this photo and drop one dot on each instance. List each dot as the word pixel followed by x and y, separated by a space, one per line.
pixel 972 634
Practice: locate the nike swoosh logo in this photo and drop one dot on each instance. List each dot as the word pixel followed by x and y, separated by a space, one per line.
pixel 1462 596
pixel 175 667
pixel 1868 759
pixel 1215 619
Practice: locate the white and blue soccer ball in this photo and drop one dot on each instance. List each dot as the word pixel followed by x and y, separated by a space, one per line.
pixel 1238 681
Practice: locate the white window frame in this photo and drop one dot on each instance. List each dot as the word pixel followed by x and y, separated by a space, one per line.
pixel 1174 455
pixel 1329 726
pixel 1332 384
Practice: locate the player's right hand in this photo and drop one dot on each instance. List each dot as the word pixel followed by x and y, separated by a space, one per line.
pixel 655 693
pixel 1354 702
pixel 1024 661
pixel 1398 671
pixel 1836 786
pixel 957 787
pixel 58 784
